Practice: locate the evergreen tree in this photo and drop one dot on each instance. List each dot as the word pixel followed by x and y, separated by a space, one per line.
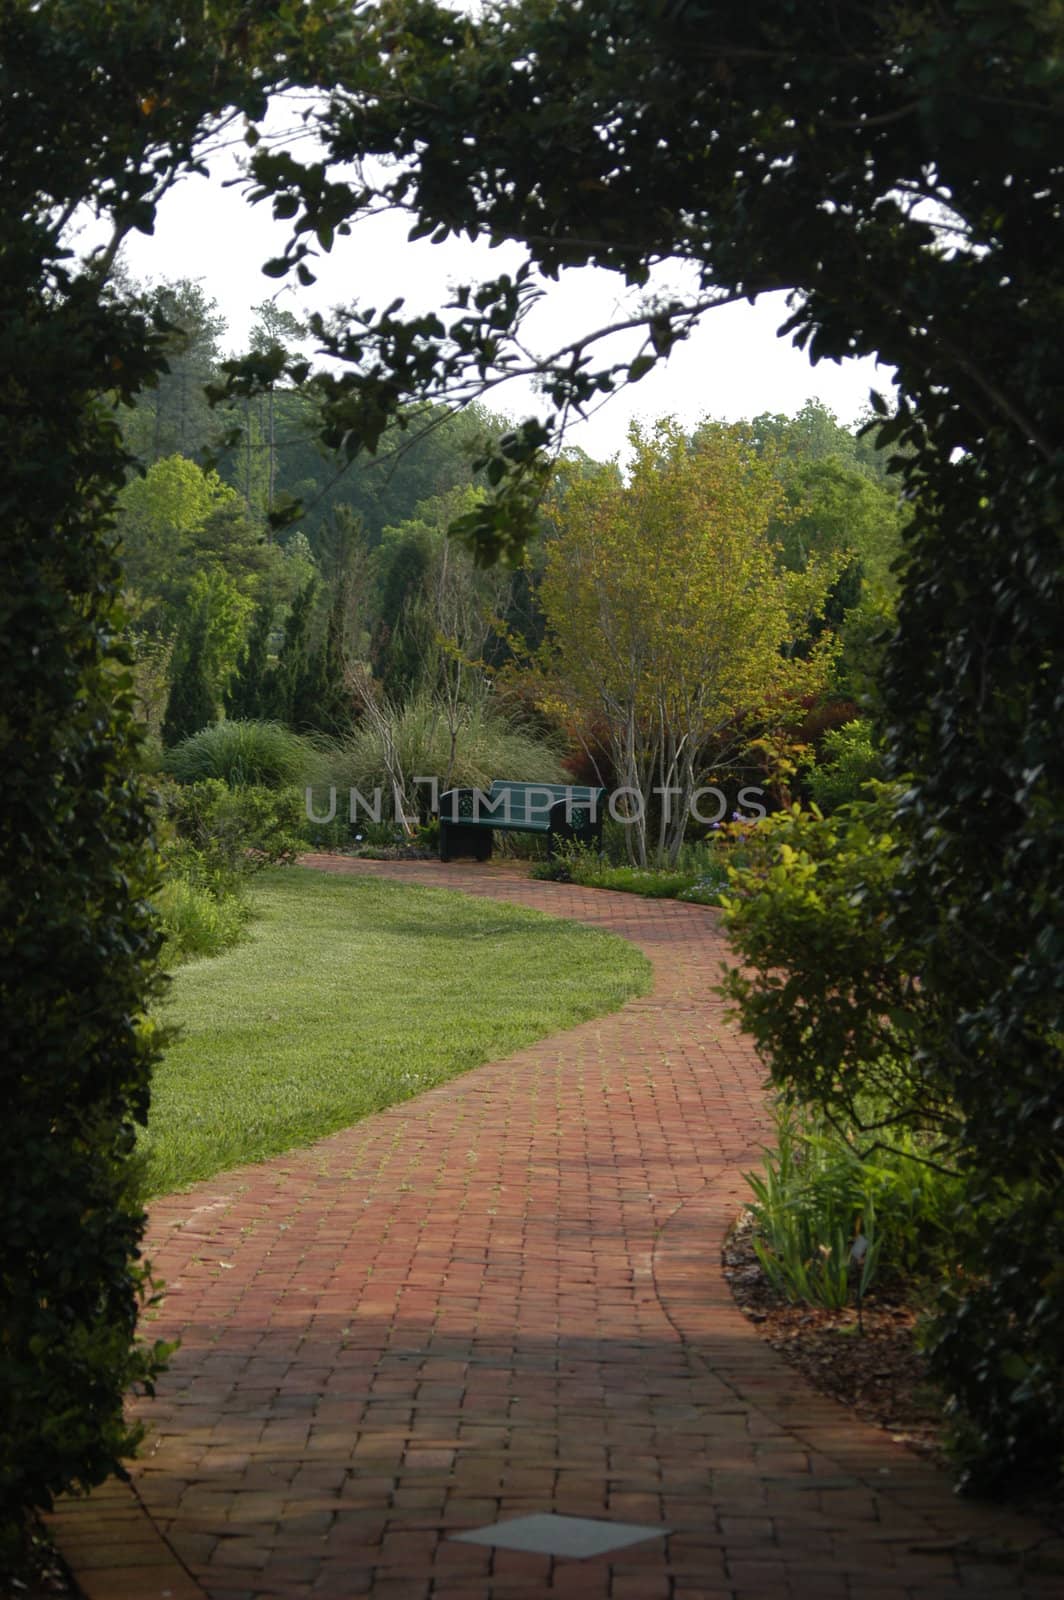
pixel 402 638
pixel 287 684
pixel 320 702
pixel 275 331
pixel 309 693
pixel 249 694
pixel 190 706
pixel 173 416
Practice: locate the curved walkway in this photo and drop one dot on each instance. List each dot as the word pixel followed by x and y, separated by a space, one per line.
pixel 504 1298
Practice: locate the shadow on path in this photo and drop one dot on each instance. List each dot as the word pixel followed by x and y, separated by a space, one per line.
pixel 505 1297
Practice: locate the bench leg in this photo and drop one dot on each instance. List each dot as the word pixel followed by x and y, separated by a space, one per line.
pixel 458 839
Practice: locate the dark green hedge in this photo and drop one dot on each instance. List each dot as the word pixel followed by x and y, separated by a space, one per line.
pixel 77 945
pixel 102 105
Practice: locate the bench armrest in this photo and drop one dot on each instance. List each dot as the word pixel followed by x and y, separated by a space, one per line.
pixel 569 817
pixel 456 805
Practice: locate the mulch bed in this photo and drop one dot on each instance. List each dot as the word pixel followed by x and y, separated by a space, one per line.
pixel 44 1576
pixel 878 1372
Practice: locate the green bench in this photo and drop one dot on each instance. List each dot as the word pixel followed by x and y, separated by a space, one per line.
pixel 560 812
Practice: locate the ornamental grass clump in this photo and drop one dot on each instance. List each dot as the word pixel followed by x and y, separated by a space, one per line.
pixel 414 741
pixel 249 754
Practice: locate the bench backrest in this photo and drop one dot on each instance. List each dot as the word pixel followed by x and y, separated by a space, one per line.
pixel 534 807
pixel 533 800
pixel 579 794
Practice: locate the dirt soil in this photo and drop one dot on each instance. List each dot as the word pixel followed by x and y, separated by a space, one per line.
pixel 878 1373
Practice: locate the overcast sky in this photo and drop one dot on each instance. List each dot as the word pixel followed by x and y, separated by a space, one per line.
pixel 734 366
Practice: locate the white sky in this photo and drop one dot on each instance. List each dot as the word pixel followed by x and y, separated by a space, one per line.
pixel 733 366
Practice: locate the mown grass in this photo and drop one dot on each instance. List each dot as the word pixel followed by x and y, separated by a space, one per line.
pixel 348 996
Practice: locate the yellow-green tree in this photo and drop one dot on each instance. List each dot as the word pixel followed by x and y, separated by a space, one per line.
pixel 179 521
pixel 669 618
pixel 157 515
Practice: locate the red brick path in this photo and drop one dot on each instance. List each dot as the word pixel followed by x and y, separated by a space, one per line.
pixel 500 1298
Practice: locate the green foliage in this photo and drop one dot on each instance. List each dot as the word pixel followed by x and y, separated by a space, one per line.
pixel 839 498
pixel 700 878
pixel 833 992
pixel 840 505
pixel 380 838
pixel 246 699
pixel 323 702
pixel 158 516
pixel 401 638
pixel 237 830
pixel 187 538
pixel 152 657
pixel 866 632
pixel 77 947
pixel 552 871
pixel 426 454
pixel 820 1190
pixel 996 1347
pixel 171 415
pixel 668 619
pixel 191 705
pixel 827 988
pixel 437 616
pixel 197 920
pixel 248 753
pixel 428 834
pixel 227 612
pixel 320 700
pixel 216 839
pixel 291 677
pixel 850 761
pixel 806 1241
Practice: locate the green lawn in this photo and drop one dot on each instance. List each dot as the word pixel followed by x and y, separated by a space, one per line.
pixel 350 995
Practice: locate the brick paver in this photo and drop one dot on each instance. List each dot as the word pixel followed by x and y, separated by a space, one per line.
pixel 505 1297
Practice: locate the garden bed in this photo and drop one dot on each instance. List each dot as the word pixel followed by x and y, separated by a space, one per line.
pixel 879 1373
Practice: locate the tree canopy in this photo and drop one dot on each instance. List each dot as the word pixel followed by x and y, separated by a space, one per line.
pixel 669 619
pixel 768 149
